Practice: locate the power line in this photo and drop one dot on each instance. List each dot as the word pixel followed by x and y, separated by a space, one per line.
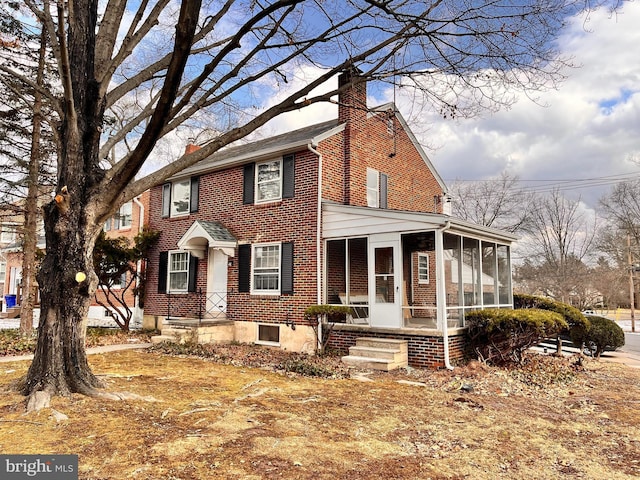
pixel 548 185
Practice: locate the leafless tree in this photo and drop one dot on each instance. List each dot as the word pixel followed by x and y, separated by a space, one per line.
pixel 203 65
pixel 494 203
pixel 559 242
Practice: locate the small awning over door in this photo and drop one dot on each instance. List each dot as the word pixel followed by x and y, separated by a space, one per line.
pixel 204 234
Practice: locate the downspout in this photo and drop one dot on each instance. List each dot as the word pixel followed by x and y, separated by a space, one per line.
pixel 312 149
pixel 442 299
pixel 139 262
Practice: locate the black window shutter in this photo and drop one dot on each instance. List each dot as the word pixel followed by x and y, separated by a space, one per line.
pixel 244 268
pixel 384 184
pixel 193 273
pixel 288 176
pixel 286 269
pixel 195 192
pixel 249 182
pixel 162 272
pixel 166 200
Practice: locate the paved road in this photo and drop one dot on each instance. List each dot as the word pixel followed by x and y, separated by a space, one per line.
pixel 631 343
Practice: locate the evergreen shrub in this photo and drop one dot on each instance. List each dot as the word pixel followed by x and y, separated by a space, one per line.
pixel 501 336
pixel 604 334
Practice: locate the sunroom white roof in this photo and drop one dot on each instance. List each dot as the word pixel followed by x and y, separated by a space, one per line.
pixel 340 221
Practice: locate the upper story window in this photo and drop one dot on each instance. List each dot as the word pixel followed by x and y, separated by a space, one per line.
pixel 376 188
pixel 120 220
pixel 112 280
pixel 8 232
pixel 269 181
pixel 180 198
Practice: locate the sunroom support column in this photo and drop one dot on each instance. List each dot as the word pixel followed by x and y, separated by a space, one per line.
pixel 441 294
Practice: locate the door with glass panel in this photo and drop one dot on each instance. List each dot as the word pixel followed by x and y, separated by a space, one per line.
pixel 385 283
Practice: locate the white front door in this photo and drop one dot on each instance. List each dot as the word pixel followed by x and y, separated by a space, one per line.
pixel 216 283
pixel 385 282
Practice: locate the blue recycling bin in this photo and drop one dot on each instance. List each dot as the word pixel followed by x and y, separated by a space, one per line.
pixel 10 300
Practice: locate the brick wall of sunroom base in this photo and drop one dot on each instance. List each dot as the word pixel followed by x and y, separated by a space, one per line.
pixel 424 351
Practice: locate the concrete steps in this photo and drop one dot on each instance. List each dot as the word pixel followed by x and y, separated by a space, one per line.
pixel 378 354
pixel 189 330
pixel 12 312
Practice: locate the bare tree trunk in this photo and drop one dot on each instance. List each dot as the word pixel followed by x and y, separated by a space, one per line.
pixel 30 241
pixel 60 364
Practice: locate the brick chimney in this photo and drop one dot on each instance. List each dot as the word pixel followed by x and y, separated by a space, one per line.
pixel 190 148
pixel 353 100
pixel 352 110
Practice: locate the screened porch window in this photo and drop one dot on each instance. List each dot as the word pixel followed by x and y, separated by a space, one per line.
pixel 475 271
pixel 347 277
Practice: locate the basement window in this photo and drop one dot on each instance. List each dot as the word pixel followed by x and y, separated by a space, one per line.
pixel 268 334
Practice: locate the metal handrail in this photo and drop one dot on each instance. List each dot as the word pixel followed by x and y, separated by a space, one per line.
pixel 204 305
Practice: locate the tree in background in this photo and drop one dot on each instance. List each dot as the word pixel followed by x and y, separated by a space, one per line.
pixel 120 267
pixel 187 66
pixel 559 241
pixel 493 203
pixel 26 146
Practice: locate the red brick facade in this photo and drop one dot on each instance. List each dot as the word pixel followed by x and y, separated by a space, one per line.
pixel 374 140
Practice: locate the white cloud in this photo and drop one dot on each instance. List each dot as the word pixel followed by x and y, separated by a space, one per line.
pixel 588 130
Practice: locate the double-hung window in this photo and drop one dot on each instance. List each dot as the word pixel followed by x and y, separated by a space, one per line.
pixel 123 218
pixel 177 272
pixel 266 269
pixel 180 198
pixel 269 181
pixel 8 233
pixel 120 220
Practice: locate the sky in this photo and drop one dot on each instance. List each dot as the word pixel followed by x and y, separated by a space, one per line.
pixel 581 138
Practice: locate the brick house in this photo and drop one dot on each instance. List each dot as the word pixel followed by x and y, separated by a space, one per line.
pixel 346 212
pixel 126 222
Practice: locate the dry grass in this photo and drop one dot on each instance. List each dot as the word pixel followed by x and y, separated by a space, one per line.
pixel 228 421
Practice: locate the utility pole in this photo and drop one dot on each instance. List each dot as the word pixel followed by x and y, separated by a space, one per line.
pixel 631 285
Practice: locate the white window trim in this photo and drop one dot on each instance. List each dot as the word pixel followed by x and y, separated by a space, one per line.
pixel 172 212
pixel 256 195
pixel 253 290
pixel 121 215
pixel 264 342
pixel 422 281
pixel 8 232
pixel 169 272
pixel 373 191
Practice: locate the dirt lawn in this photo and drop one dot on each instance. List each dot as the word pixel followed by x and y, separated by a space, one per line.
pixel 204 419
